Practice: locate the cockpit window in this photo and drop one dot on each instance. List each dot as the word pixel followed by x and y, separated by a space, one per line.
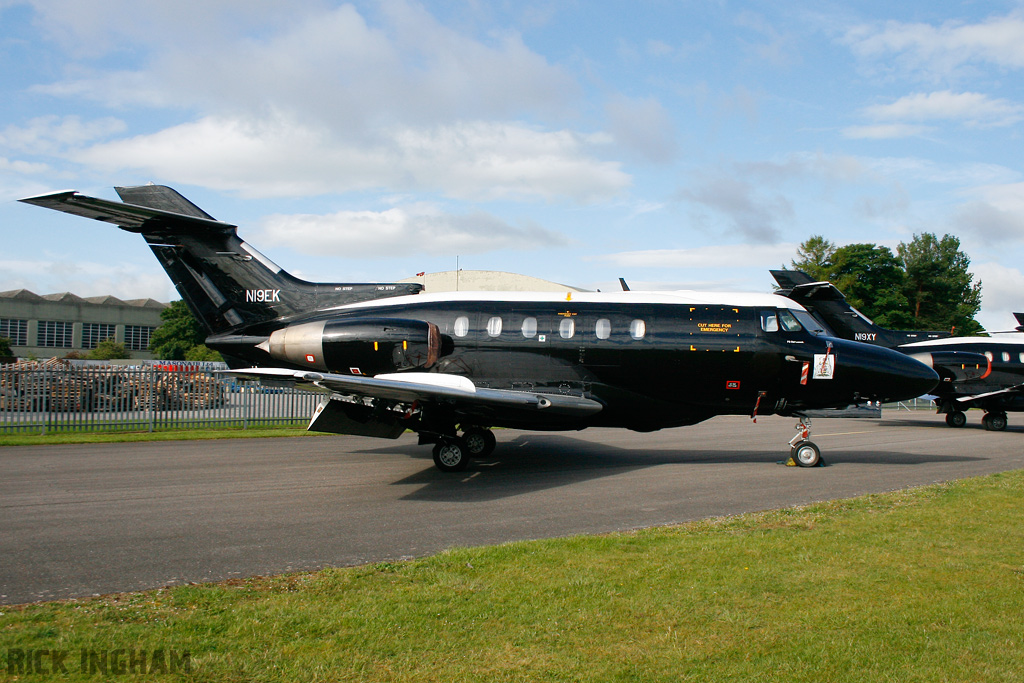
pixel 812 324
pixel 788 322
pixel 779 319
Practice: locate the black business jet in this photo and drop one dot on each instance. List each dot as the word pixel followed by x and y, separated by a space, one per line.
pixel 976 372
pixel 450 366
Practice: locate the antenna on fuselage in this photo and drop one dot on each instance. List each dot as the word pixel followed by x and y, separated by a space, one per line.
pixel 625 287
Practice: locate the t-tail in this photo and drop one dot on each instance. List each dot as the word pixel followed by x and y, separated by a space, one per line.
pixel 228 285
pixel 826 303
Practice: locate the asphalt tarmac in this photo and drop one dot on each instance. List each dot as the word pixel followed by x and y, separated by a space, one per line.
pixel 93 519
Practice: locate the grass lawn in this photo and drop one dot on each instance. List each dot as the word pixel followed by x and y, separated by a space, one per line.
pixel 918 585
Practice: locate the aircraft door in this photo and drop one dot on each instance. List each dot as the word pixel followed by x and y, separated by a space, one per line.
pixel 785 333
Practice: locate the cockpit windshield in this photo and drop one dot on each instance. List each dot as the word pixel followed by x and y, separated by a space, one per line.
pixel 812 324
pixel 788 320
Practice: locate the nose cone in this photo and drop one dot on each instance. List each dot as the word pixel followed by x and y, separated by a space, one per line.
pixel 881 374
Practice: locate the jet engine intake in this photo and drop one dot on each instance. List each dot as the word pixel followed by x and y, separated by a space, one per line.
pixel 357 346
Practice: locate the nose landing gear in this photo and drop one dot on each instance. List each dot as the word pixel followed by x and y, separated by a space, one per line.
pixel 802 451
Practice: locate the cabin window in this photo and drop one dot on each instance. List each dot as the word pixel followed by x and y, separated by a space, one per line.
pixel 461 326
pixel 1021 358
pixel 988 354
pixel 1006 356
pixel 769 321
pixel 603 328
pixel 566 328
pixel 637 329
pixel 529 327
pixel 494 326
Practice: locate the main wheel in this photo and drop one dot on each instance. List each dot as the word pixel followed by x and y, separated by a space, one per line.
pixel 479 441
pixel 451 455
pixel 995 422
pixel 956 419
pixel 806 454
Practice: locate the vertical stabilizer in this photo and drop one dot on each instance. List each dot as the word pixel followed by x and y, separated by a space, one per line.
pixel 826 303
pixel 227 284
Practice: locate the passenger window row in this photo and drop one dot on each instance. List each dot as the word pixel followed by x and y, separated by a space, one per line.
pixel 1005 356
pixel 566 327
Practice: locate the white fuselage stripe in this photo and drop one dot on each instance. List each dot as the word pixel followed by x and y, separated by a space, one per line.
pixel 678 298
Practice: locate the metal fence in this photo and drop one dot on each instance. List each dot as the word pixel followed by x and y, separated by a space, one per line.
pixel 53 399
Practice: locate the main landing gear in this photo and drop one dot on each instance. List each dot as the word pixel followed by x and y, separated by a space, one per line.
pixel 994 422
pixel 802 451
pixel 453 453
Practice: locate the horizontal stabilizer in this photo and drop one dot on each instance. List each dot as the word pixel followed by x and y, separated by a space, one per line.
pixel 801 287
pixel 128 217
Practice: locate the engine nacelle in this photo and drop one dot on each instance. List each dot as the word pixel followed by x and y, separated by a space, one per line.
pixel 357 346
pixel 956 366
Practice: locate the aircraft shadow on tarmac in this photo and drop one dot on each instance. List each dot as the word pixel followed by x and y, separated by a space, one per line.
pixel 534 462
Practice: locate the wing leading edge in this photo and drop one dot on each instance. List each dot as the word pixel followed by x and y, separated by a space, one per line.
pixel 1017 389
pixel 388 392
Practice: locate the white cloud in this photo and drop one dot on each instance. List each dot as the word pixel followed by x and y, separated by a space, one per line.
pixel 997 215
pixel 749 211
pixel 51 135
pixel 1001 295
pixel 940 50
pixel 884 131
pixel 340 99
pixel 470 160
pixel 86 278
pixel 22 167
pixel 971 107
pixel 397 232
pixel 720 256
pixel 776 48
pixel 642 126
pixel 332 66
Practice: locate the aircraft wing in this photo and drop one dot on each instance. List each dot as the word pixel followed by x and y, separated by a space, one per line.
pixel 426 387
pixel 967 400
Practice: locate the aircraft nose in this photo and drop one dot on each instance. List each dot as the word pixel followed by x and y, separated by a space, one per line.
pixel 887 375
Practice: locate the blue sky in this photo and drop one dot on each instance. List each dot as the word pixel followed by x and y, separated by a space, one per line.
pixel 678 144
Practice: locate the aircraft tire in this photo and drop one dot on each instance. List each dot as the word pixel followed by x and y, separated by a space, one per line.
pixel 451 455
pixel 806 454
pixel 956 419
pixel 994 422
pixel 479 441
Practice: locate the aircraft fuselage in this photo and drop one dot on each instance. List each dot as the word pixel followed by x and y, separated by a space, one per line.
pixel 653 360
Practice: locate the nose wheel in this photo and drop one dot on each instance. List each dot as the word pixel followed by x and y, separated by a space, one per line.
pixel 802 451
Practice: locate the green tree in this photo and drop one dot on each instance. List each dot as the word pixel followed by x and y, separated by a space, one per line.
pixel 926 285
pixel 204 353
pixel 5 348
pixel 814 257
pixel 179 333
pixel 938 285
pixel 107 350
pixel 871 278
